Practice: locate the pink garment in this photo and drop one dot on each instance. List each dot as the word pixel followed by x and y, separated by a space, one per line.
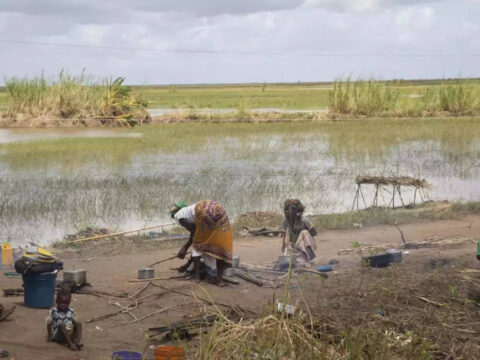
pixel 304 248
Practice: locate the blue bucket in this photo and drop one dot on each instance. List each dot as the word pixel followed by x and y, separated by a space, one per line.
pixel 126 355
pixel 39 290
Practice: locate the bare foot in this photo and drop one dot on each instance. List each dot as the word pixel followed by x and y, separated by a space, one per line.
pixel 6 312
pixel 79 346
pixel 72 347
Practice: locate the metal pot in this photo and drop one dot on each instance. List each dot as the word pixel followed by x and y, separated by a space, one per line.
pixel 236 261
pixel 284 261
pixel 146 273
pixel 77 276
pixel 229 272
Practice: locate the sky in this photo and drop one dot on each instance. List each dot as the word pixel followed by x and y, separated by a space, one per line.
pixel 238 41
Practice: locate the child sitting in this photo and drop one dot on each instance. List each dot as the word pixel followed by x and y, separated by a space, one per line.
pixel 61 324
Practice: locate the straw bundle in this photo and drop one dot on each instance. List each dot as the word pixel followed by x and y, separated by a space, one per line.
pixel 393 180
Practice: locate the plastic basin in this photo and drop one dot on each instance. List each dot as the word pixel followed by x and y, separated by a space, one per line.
pixel 126 355
pixel 379 260
pixel 325 268
pixel 168 353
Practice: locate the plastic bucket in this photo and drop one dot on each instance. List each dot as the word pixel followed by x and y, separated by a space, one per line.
pixel 168 353
pixel 126 355
pixel 39 290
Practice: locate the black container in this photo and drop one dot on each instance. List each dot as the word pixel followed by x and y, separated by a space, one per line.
pixel 379 260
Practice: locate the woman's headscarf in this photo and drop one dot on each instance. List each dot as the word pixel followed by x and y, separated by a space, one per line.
pixel 177 206
pixel 293 208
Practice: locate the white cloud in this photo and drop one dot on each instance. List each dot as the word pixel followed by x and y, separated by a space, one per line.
pixel 289 27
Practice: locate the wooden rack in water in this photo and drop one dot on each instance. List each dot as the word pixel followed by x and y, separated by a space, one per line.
pixel 396 182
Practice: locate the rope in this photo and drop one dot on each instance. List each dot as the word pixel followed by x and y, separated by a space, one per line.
pixel 121 233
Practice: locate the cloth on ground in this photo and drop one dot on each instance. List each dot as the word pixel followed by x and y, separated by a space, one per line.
pixel 213 233
pixel 304 248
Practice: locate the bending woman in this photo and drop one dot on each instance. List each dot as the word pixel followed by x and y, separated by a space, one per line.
pixel 210 234
pixel 299 233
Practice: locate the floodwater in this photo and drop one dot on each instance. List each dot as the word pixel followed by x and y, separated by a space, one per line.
pixel 15 135
pixel 249 168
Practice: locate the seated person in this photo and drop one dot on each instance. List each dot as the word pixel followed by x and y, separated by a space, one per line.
pixel 299 233
pixel 62 327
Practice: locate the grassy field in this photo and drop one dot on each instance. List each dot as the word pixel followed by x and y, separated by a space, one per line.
pixel 296 96
pixel 282 96
pixel 35 97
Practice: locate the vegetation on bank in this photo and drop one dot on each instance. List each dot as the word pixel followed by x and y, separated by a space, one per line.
pixel 376 98
pixel 80 97
pixel 72 97
pixel 429 211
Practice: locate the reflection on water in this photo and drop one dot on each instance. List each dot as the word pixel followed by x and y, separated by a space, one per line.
pixel 248 172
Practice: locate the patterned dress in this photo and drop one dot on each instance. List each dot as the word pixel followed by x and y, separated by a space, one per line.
pixel 56 318
pixel 213 233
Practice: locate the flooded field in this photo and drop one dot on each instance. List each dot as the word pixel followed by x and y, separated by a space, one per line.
pixel 54 182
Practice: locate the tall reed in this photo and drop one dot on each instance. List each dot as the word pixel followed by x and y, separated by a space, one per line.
pixel 68 96
pixel 385 98
pixel 363 97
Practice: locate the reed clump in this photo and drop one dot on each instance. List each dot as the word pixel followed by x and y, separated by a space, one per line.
pixel 363 97
pixel 388 99
pixel 72 97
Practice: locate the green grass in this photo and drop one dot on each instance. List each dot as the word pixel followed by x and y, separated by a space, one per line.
pixel 388 216
pixel 352 140
pixel 387 99
pixel 358 98
pixel 236 96
pixel 68 96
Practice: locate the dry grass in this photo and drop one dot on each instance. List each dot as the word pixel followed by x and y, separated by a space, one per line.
pixel 393 180
pixel 427 309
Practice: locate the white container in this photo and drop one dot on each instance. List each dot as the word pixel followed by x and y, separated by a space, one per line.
pixel 289 309
pixel 236 261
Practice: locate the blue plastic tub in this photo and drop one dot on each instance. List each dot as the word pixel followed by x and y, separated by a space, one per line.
pixel 126 355
pixel 39 290
pixel 325 268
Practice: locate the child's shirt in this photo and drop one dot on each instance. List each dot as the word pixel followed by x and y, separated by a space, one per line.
pixel 57 317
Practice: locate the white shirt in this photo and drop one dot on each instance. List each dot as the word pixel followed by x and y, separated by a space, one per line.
pixel 187 213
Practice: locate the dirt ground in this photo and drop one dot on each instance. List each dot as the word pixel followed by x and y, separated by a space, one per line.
pixel 24 336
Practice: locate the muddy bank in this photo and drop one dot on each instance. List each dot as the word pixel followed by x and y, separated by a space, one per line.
pixel 88 122
pixel 351 301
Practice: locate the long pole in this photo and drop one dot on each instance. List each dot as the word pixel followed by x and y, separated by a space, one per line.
pixel 121 233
